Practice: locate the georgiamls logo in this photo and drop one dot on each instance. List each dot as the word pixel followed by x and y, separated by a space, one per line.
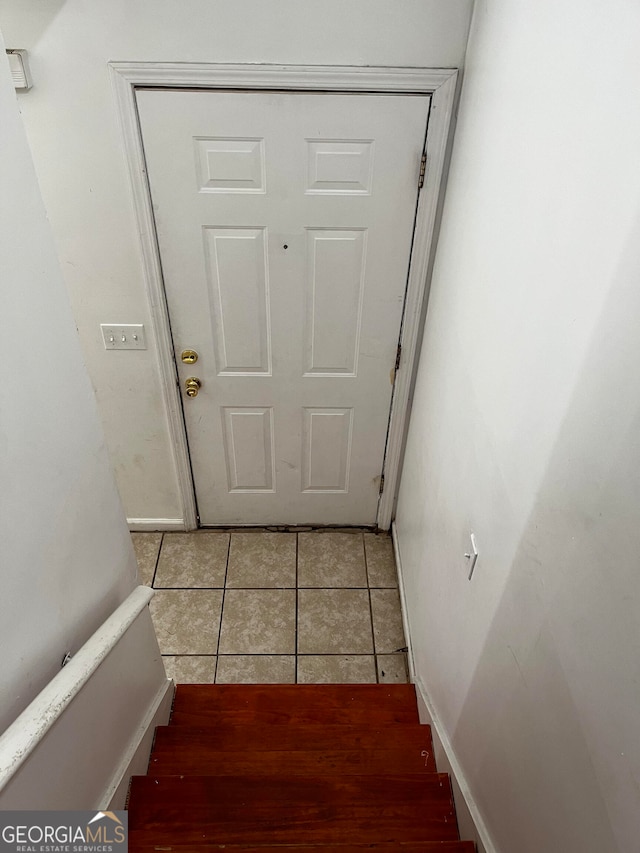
pixel 105 833
pixel 100 815
pixel 63 832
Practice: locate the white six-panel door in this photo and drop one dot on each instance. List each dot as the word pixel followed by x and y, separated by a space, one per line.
pixel 285 223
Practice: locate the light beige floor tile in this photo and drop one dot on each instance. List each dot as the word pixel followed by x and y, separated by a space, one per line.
pixel 381 564
pixel 334 621
pixel 327 558
pixel 262 559
pixel 387 620
pixel 336 669
pixel 187 621
pixel 258 621
pixel 146 546
pixel 256 669
pixel 195 560
pixel 392 669
pixel 190 669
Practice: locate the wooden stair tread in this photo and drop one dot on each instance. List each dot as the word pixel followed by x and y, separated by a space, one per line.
pixel 399 846
pixel 311 748
pixel 205 705
pixel 181 811
pixel 420 847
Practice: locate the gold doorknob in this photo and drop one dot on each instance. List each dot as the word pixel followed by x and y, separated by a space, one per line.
pixel 192 386
pixel 189 356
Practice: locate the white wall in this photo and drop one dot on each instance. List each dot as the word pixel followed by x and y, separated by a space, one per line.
pixel 71 121
pixel 66 560
pixel 526 430
pixel 101 738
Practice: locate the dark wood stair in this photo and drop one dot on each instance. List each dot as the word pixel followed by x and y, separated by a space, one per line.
pixel 300 767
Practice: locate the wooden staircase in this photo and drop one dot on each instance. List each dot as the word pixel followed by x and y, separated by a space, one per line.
pixel 302 767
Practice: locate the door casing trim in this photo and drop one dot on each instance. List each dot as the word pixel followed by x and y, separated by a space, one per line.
pixel 440 83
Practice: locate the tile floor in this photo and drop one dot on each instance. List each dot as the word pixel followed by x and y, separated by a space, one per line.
pixel 267 606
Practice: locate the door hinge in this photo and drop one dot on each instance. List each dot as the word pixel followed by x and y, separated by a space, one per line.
pixel 423 169
pixel 381 484
pixel 398 357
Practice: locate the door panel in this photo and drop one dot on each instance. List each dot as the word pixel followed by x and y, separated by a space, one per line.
pixel 284 223
pixel 236 266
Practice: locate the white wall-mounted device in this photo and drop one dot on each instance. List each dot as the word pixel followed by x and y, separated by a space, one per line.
pixel 472 555
pixel 20 73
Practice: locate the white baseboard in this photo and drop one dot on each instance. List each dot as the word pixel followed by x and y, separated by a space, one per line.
pixel 146 525
pixel 403 603
pixel 470 822
pixel 136 758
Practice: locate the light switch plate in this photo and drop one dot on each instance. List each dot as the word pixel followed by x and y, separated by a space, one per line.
pixel 121 336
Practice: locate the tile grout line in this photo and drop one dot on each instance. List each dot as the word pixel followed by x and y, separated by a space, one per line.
pixel 295 650
pixel 272 654
pixel 224 590
pixel 155 568
pixel 269 588
pixel 373 635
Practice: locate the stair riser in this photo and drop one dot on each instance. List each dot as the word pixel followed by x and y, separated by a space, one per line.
pixel 293 736
pixel 285 716
pixel 288 811
pixel 363 704
pixel 324 763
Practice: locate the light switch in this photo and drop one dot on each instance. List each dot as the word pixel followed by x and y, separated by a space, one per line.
pixel 472 554
pixel 119 336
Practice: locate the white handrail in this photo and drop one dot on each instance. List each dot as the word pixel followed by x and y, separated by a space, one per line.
pixel 25 733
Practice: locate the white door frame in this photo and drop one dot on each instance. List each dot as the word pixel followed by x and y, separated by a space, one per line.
pixel 439 83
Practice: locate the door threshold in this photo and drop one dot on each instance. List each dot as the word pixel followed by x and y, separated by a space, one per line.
pixel 291 528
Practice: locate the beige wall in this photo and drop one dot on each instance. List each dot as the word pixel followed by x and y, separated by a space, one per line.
pixel 525 430
pixel 71 121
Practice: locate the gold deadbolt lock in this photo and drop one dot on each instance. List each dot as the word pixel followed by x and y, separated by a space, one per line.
pixel 189 356
pixel 192 386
